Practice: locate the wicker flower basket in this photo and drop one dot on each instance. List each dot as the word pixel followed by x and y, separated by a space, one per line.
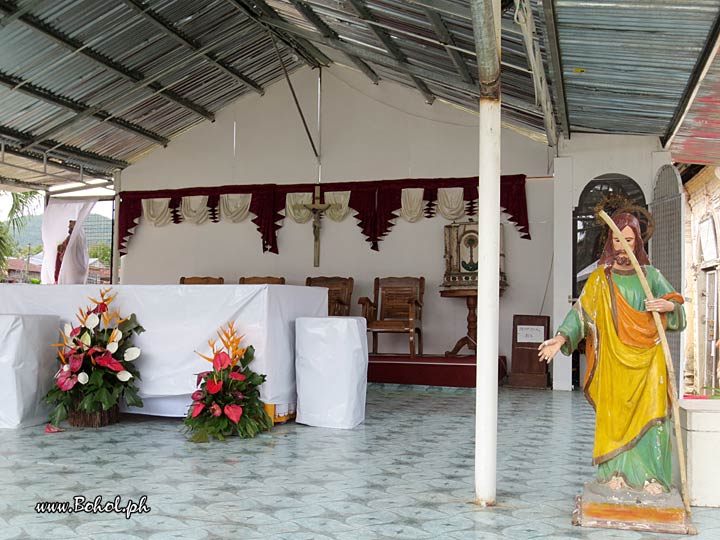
pixel 97 419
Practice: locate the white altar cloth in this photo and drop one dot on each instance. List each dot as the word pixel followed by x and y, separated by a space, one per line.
pixel 331 363
pixel 179 320
pixel 26 368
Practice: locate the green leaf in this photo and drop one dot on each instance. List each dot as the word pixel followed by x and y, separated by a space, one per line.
pixel 105 398
pixel 58 415
pixel 200 437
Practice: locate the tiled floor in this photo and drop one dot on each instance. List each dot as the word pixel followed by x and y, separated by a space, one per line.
pixel 407 473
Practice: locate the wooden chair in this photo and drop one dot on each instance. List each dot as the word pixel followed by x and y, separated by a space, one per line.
pixel 201 280
pixel 396 308
pixel 262 280
pixel 339 293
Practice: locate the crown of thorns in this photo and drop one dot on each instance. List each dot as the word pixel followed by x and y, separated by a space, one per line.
pixel 617 204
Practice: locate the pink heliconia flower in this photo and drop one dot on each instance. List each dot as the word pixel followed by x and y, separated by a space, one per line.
pixel 233 412
pixel 66 381
pixel 221 361
pixel 213 387
pixel 201 376
pixel 106 360
pixel 197 395
pixel 53 429
pixel 197 408
pixel 237 376
pixel 76 361
pixel 215 409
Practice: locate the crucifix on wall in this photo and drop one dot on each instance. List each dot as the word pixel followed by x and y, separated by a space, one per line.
pixel 317 207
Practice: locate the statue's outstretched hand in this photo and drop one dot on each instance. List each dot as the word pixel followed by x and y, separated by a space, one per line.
pixel 548 349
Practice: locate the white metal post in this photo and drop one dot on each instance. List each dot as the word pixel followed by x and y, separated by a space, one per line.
pixel 115 270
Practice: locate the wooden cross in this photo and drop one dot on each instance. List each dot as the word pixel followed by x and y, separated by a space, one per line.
pixel 317 208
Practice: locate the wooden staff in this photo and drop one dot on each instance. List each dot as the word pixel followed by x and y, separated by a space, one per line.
pixel 666 350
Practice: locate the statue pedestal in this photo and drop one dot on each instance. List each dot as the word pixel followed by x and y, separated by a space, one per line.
pixel 602 507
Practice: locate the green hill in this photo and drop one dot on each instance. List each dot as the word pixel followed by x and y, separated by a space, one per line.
pixel 98 230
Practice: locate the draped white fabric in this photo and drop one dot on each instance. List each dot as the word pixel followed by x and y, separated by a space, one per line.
pixel 412 204
pixel 157 211
pixel 339 204
pixel 195 209
pixel 235 207
pixel 295 206
pixel 451 204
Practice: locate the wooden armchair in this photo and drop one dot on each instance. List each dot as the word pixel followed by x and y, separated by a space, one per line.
pixel 396 308
pixel 339 293
pixel 262 280
pixel 201 280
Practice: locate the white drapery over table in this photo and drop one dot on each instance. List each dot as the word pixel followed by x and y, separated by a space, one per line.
pixel 179 320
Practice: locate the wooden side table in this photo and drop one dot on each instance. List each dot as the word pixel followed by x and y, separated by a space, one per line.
pixel 469 340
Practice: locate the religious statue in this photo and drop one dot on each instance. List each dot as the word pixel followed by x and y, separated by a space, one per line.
pixel 61 249
pixel 627 379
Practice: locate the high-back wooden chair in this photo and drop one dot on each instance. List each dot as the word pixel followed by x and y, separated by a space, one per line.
pixel 396 308
pixel 262 280
pixel 201 280
pixel 339 293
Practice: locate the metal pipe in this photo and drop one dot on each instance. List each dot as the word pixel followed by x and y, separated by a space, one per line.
pixel 486 26
pixel 319 125
pixel 115 263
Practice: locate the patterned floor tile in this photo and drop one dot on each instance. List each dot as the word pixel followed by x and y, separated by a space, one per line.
pixel 406 473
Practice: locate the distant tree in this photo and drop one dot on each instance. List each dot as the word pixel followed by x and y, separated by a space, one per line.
pixel 101 251
pixel 21 204
pixel 21 252
pixel 6 246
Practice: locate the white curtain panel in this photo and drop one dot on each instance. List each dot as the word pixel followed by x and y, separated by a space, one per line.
pixel 412 204
pixel 338 201
pixel 235 207
pixel 451 204
pixel 57 215
pixel 194 209
pixel 295 206
pixel 157 211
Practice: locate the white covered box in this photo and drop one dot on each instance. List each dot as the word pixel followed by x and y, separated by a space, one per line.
pixel 331 363
pixel 27 365
pixel 700 423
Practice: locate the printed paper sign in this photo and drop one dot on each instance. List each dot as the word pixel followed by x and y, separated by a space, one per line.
pixel 530 334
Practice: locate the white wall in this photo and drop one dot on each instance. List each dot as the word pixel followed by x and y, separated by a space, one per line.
pixel 369 133
pixel 580 160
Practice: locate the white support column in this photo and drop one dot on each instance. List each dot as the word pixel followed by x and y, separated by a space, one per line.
pixel 488 309
pixel 115 270
pixel 562 267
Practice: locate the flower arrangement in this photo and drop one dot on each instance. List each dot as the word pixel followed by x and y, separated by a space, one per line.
pixel 96 366
pixel 227 401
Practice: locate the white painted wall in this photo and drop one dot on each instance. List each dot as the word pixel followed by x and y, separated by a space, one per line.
pixel 369 133
pixel 580 160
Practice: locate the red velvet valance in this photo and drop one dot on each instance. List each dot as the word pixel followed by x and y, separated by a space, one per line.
pixel 375 203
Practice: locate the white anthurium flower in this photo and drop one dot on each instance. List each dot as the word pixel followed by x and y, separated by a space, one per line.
pixel 92 321
pixel 66 367
pixel 123 375
pixel 112 347
pixel 117 335
pixel 131 354
pixel 83 377
pixel 85 339
pixel 68 329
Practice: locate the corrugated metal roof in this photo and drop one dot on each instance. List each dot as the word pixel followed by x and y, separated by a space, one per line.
pixel 98 84
pixel 626 65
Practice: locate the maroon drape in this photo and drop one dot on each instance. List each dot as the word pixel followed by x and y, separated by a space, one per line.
pixel 375 203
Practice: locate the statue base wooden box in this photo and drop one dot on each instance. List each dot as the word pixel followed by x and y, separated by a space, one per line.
pixel 602 507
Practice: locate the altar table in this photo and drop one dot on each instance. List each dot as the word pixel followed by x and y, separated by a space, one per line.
pixel 179 320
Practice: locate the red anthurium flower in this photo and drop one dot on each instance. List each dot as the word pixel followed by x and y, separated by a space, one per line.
pixel 236 375
pixel 197 395
pixel 76 361
pixel 102 307
pixel 76 331
pixel 53 429
pixel 106 360
pixel 213 387
pixel 233 412
pixel 66 381
pixel 197 408
pixel 221 361
pixel 201 376
pixel 215 409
